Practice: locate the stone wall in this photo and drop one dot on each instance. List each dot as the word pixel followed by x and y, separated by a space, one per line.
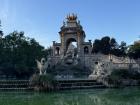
pixel 91 60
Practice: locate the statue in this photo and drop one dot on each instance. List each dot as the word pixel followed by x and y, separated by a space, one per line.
pixel 70 51
pixel 98 70
pixel 101 69
pixel 70 54
pixel 43 65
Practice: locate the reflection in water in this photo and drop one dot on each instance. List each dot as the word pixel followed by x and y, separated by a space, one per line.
pixel 126 96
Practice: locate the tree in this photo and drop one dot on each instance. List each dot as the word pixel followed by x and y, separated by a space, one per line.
pixel 96 46
pixel 113 46
pixel 113 43
pixel 134 51
pixel 48 52
pixel 109 45
pixel 123 48
pixel 19 54
pixel 105 43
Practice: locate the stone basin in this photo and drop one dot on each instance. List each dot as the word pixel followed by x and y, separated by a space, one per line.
pixel 69 61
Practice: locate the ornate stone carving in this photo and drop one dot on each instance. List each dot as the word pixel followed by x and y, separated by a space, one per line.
pixel 43 65
pixel 71 17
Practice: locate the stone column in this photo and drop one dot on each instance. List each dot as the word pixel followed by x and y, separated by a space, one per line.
pixel 90 47
pixel 79 43
pixel 53 48
pixel 62 44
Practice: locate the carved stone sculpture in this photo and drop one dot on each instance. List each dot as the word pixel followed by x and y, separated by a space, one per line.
pixel 42 65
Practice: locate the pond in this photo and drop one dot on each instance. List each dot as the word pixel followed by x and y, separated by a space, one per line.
pixel 124 96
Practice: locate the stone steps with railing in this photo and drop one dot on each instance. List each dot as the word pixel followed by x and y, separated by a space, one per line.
pixel 78 84
pixel 61 84
pixel 15 85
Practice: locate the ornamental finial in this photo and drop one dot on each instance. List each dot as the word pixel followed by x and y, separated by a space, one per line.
pixel 71 17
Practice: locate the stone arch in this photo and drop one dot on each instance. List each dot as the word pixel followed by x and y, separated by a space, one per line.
pixel 69 40
pixel 57 51
pixel 86 50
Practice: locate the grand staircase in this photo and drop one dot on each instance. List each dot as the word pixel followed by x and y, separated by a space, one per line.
pixel 60 84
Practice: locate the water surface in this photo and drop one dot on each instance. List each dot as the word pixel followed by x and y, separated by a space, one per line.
pixel 125 96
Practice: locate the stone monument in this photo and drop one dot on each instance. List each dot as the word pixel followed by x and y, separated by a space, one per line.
pixel 64 54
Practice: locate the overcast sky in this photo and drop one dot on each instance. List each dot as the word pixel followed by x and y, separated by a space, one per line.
pixel 42 19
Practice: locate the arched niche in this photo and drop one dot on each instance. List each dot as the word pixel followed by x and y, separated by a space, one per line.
pixel 57 51
pixel 86 50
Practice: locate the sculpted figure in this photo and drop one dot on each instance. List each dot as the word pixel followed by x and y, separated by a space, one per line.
pixel 42 65
pixel 70 52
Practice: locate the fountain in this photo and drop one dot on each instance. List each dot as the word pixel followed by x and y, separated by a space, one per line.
pixel 69 66
pixel 71 57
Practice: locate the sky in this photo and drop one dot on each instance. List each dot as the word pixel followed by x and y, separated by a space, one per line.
pixel 42 19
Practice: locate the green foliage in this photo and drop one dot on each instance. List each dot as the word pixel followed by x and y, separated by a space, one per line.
pixel 109 45
pixel 105 43
pixel 118 74
pixel 97 46
pixel 18 54
pixel 43 82
pixel 134 51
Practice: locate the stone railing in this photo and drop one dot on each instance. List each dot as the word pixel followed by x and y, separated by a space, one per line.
pixel 126 66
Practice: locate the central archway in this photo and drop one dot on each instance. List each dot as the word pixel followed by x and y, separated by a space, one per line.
pixel 73 42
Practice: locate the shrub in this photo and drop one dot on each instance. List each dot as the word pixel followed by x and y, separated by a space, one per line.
pixel 42 82
pixel 118 75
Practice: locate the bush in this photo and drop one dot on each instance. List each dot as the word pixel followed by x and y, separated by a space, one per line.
pixel 42 82
pixel 124 74
pixel 118 75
